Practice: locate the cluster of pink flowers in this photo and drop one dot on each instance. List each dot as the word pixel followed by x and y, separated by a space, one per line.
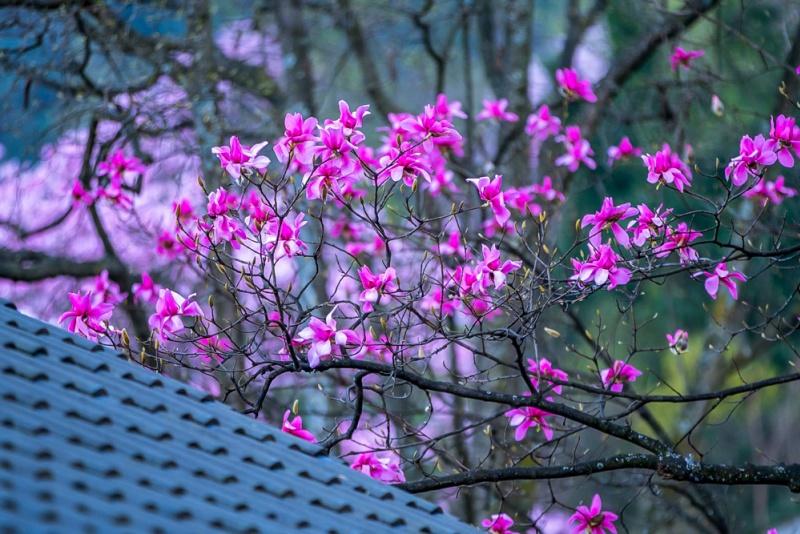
pixel 381 468
pixel 239 160
pixel 573 87
pixel 774 192
pixel 608 218
pixel 544 370
pixel 322 337
pixel 171 308
pixel 601 268
pixel 577 149
pixel 667 168
pixel 376 285
pixel 87 319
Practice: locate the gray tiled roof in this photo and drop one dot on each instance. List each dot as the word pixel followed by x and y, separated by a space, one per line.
pixel 91 442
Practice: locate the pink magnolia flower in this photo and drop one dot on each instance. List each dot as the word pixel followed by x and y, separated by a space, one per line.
pixel 297 140
pixel 722 276
pixel 683 58
pixel 448 110
pixel 118 165
pixel 238 160
pixel 85 319
pixel 490 271
pixel 774 192
pixel 386 470
pixel 376 285
pixel 649 224
pixel 678 342
pixel 106 290
pixel 573 87
pixel 404 163
pixel 428 127
pixel 593 520
pixel 618 374
pixel 114 194
pixel 783 135
pixel 167 245
pixel 527 417
pixel 322 337
pixel 284 240
pixel 496 109
pixel 678 239
pixel 667 168
pixel 220 202
pixel 578 150
pixel 543 370
pixel 295 428
pixel 170 309
pixel 491 192
pixel 541 124
pixel 601 267
pixel 623 152
pixel 349 122
pixel 546 190
pixel 80 197
pixel 147 291
pixel 753 154
pixel 214 346
pixel 499 524
pixel 608 218
pixel 717 107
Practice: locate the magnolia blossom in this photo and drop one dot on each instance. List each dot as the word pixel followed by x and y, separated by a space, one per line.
pixel 118 165
pixel 499 524
pixel 106 290
pixel 578 150
pixel 722 276
pixel 496 109
pixel 678 239
pixel 295 428
pixel 542 124
pixel 490 271
pixel 784 134
pixel 649 224
pixel 323 336
pixel 147 291
pixel 601 267
pixel 678 342
pixel 87 319
pixel 753 155
pixel 608 218
pixel 297 140
pixel 376 285
pixel 593 520
pixel 683 58
pixel 491 192
pixel 619 373
pixel 774 192
pixel 623 152
pixel 573 87
pixel 386 470
pixel 214 346
pixel 448 110
pixel 170 310
pixel 543 370
pixel 667 168
pixel 527 417
pixel 238 160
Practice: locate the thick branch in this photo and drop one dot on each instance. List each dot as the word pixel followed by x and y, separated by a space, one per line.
pixel 673 467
